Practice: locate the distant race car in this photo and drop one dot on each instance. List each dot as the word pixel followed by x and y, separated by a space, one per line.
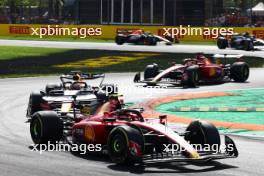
pixel 139 37
pixel 129 138
pixel 196 70
pixel 72 83
pixel 243 41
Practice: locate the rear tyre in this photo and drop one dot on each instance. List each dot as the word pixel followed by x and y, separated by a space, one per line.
pixel 125 145
pixel 120 40
pixel 222 43
pixel 191 76
pixel 35 99
pixel 204 133
pixel 151 71
pixel 239 71
pixel 45 127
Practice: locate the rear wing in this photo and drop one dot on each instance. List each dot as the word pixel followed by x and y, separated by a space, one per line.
pixel 83 76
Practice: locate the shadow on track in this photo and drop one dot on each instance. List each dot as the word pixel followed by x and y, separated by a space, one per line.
pixel 180 167
pixel 175 167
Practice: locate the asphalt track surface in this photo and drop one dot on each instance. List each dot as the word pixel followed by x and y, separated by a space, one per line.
pixel 16 158
pixel 207 49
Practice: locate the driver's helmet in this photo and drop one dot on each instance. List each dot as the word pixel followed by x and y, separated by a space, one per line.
pixel 138 32
pixel 76 77
pixel 114 103
pixel 200 57
pixel 246 34
pixel 147 32
pixel 75 85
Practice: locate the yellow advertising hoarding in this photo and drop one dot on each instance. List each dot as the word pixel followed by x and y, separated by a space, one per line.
pixel 109 31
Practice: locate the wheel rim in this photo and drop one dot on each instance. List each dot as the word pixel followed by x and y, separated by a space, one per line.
pixel 116 145
pixel 118 149
pixel 36 130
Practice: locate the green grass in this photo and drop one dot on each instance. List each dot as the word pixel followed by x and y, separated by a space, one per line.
pixel 27 61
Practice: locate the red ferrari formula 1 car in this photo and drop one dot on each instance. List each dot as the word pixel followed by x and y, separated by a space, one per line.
pixel 195 71
pixel 127 137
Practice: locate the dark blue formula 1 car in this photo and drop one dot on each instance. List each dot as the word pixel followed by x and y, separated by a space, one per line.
pixel 243 41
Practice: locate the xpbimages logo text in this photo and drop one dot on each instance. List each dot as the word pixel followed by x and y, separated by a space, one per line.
pixel 82 32
pixel 197 31
pixel 61 147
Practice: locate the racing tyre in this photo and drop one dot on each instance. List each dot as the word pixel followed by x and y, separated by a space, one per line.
pixel 191 76
pixel 52 86
pixel 239 71
pixel 248 45
pixel 120 40
pixel 204 133
pixel 151 71
pixel 151 41
pixel 125 145
pixel 222 43
pixel 35 99
pixel 46 127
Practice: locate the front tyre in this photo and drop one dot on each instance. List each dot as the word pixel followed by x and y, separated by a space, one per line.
pixel 45 127
pixel 151 71
pixel 239 71
pixel 191 76
pixel 203 133
pixel 125 145
pixel 152 41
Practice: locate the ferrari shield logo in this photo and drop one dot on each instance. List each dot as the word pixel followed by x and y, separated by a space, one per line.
pixel 89 133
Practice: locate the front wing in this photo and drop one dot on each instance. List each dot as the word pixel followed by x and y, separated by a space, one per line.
pixel 202 159
pixel 166 157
